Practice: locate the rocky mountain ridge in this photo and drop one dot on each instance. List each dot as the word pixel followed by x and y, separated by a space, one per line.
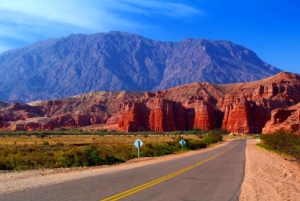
pixel 118 61
pixel 252 107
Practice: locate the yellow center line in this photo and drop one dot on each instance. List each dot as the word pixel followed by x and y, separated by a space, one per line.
pixel 164 178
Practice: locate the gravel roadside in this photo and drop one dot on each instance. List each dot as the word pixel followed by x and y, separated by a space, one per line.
pixel 269 176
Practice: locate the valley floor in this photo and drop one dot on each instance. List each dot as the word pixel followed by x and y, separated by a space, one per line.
pixel 268 176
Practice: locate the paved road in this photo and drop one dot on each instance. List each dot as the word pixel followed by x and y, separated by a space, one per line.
pixel 213 175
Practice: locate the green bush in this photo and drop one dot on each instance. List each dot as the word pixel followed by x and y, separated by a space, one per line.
pixel 195 144
pixel 160 149
pixel 213 136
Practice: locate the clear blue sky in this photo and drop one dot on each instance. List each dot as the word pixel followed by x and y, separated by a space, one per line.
pixel 271 28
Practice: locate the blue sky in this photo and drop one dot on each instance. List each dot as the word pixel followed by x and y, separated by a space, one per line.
pixel 271 28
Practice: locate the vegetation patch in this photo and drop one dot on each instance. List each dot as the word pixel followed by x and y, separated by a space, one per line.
pixel 36 150
pixel 282 141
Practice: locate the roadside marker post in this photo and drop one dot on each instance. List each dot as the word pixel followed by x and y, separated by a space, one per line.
pixel 138 143
pixel 182 142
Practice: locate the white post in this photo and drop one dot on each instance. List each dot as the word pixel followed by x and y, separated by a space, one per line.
pixel 139 145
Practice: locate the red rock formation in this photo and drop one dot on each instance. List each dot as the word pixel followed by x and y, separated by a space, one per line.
pixel 134 116
pixel 250 113
pixel 287 119
pixel 204 116
pixel 235 117
pixel 77 111
pixel 161 115
pixel 239 108
pixel 158 114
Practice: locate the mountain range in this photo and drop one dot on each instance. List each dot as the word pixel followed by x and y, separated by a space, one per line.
pixel 120 61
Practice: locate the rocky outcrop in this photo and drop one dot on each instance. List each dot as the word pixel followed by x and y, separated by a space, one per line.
pixel 77 111
pixel 248 108
pixel 284 118
pixel 204 116
pixel 245 116
pixel 134 117
pixel 166 115
pixel 155 114
pixel 159 115
pixel 180 108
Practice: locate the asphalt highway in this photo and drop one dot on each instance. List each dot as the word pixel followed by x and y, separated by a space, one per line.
pixel 215 175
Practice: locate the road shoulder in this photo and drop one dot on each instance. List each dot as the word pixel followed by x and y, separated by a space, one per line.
pixel 269 176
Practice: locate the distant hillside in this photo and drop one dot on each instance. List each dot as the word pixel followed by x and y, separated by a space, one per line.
pixel 120 61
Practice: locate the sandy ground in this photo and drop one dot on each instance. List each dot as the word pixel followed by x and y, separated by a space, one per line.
pixel 268 176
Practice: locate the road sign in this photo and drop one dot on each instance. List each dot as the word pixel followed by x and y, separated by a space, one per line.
pixel 182 142
pixel 138 143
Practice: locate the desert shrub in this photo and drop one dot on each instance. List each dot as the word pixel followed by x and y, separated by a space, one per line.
pixel 220 131
pixel 88 156
pixel 283 141
pixel 213 136
pixel 101 131
pixel 196 131
pixel 159 149
pixel 50 153
pixel 54 156
pixel 194 144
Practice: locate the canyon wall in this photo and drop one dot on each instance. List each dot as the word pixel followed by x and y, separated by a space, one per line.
pixel 242 108
pixel 159 115
pixel 253 107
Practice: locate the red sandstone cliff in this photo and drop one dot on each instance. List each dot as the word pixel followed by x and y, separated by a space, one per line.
pixel 239 108
pixel 155 114
pixel 77 111
pixel 249 105
pixel 284 118
pixel 159 114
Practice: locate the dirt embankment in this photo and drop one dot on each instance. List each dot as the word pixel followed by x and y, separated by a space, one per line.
pixel 269 176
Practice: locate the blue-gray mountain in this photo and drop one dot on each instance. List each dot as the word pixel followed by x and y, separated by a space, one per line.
pixel 120 61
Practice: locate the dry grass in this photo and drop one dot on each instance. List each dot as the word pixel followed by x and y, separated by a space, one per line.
pixel 86 139
pixel 23 152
